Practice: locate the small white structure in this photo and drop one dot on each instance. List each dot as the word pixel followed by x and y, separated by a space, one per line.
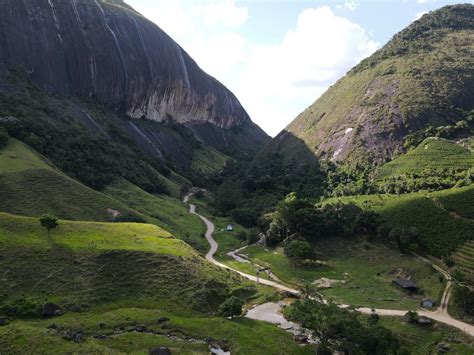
pixel 229 228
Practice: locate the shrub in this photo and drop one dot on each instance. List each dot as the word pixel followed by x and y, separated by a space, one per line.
pixel 231 307
pixel 298 250
pixel 129 218
pixel 21 308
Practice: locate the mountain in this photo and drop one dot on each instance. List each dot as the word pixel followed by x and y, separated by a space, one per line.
pixel 100 70
pixel 418 85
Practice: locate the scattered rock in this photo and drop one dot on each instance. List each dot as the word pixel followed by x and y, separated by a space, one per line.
pixel 301 338
pixel 162 350
pixel 4 322
pixel 422 320
pixel 73 335
pixel 53 326
pixel 51 310
pixel 162 320
pixel 443 347
pixel 326 283
pixel 140 328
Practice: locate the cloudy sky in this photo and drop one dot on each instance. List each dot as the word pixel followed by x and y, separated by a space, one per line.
pixel 279 56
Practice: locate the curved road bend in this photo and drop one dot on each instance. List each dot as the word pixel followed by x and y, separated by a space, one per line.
pixel 441 315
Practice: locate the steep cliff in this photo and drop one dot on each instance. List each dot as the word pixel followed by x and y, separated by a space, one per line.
pixel 107 51
pixel 105 93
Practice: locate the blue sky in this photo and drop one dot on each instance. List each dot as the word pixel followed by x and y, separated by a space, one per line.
pixel 279 56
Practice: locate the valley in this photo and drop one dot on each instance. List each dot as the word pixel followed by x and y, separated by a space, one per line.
pixel 142 211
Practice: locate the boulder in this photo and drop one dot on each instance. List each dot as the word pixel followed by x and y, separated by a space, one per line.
pixel 73 335
pixel 162 350
pixel 162 320
pixel 51 310
pixel 140 328
pixel 422 320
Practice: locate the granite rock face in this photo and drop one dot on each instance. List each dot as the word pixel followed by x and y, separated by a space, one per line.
pixel 104 50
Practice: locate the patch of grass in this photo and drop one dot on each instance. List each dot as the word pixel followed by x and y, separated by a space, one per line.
pixel 365 269
pixel 24 231
pixel 208 160
pixel 424 340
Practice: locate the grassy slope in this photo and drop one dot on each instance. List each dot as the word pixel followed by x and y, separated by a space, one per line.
pixel 30 186
pixel 120 275
pixel 208 160
pixel 424 340
pixel 244 336
pixel 431 154
pixel 168 212
pixel 442 231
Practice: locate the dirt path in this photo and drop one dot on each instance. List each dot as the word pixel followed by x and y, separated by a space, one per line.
pixel 440 315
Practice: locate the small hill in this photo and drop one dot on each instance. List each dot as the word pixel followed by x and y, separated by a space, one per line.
pixel 85 264
pixel 418 85
pixel 32 186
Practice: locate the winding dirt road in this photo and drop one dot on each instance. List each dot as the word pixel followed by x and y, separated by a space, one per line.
pixel 440 315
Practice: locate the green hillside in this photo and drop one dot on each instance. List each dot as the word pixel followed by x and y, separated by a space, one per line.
pixel 165 211
pixel 441 228
pixel 419 82
pixel 31 186
pixel 432 154
pixel 111 278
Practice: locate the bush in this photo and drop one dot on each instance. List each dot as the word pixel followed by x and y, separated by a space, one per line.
pixel 129 218
pixel 231 307
pixel 21 308
pixel 241 235
pixel 298 251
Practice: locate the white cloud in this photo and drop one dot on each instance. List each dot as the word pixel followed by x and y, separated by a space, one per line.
pixel 225 13
pixel 275 80
pixel 420 15
pixel 351 5
pixel 287 77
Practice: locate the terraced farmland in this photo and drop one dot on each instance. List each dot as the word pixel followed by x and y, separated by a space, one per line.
pixel 464 259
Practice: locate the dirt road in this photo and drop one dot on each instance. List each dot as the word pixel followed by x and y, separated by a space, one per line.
pixel 440 315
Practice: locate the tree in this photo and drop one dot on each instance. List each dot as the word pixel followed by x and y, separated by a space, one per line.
pixel 299 250
pixel 340 329
pixel 49 222
pixel 231 307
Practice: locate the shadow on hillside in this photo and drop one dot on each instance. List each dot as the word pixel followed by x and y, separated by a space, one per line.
pixel 290 165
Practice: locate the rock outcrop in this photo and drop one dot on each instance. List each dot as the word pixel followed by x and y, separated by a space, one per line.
pixel 105 50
